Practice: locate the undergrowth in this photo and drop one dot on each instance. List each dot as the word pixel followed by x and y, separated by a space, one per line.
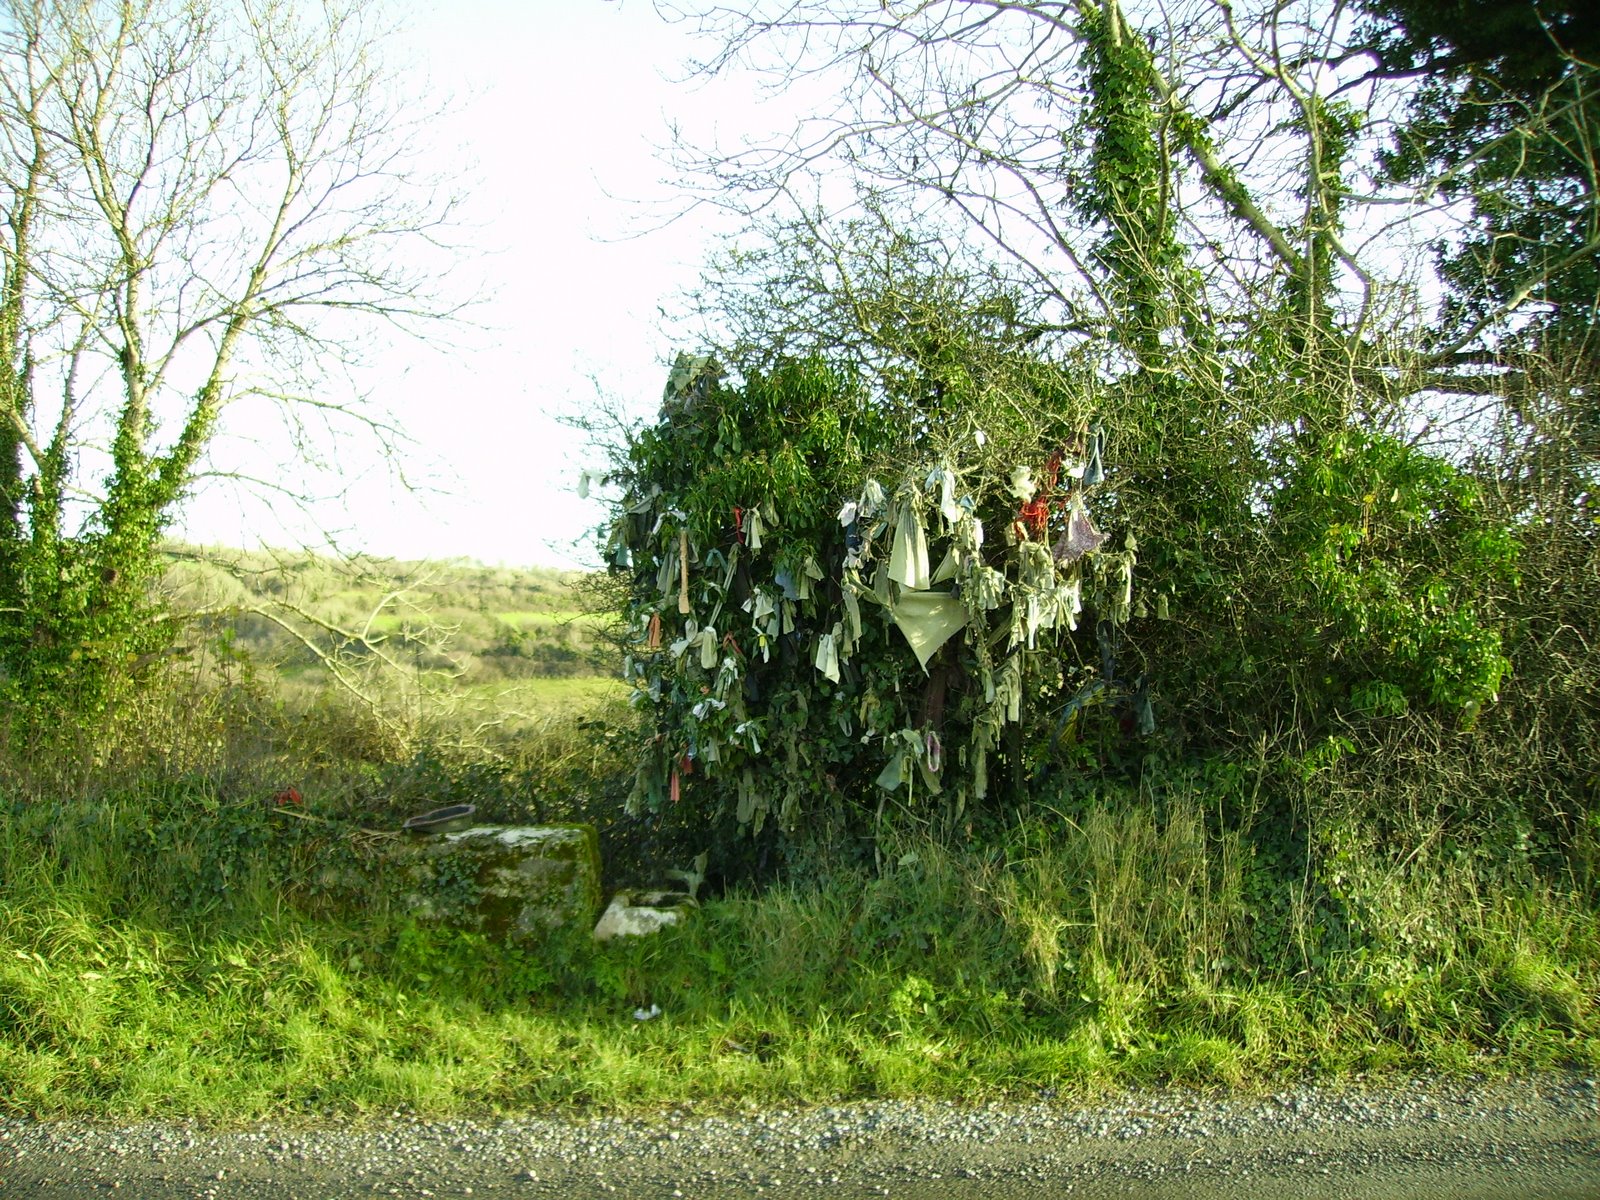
pixel 174 943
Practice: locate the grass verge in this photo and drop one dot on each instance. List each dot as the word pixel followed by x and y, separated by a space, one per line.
pixel 169 952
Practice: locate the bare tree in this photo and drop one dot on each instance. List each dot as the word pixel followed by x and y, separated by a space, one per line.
pixel 1256 139
pixel 204 201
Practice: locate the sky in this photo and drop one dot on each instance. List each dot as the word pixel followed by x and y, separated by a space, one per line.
pixel 557 113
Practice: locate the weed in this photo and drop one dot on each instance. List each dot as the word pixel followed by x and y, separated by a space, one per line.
pixel 172 944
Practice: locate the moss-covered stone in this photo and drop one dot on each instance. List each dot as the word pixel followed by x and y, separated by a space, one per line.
pixel 636 914
pixel 506 881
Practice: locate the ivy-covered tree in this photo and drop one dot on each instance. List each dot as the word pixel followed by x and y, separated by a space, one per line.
pixel 867 584
pixel 199 200
pixel 1093 594
pixel 1179 203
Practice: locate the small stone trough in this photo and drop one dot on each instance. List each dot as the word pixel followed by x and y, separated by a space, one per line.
pixel 507 881
pixel 516 882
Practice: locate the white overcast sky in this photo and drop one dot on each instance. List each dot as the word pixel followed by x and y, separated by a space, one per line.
pixel 558 112
pixel 558 109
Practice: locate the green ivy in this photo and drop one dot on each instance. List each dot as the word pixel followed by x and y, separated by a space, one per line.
pixel 1131 189
pixel 1398 574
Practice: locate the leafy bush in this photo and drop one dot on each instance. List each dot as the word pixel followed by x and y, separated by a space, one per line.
pixel 1397 571
pixel 851 606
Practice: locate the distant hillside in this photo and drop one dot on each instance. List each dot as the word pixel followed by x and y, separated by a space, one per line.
pixel 479 624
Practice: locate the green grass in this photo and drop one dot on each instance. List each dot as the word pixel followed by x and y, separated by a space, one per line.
pixel 542 620
pixel 171 945
pixel 169 953
pixel 547 692
pixel 543 707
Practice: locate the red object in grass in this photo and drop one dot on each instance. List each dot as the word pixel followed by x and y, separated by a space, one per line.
pixel 288 796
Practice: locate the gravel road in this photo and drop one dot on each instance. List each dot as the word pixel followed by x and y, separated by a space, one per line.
pixel 1418 1138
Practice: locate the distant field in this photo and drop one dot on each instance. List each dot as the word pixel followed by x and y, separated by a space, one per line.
pixel 548 692
pixel 389 622
pixel 524 620
pixel 454 626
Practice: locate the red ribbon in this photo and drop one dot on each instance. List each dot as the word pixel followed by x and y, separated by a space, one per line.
pixel 1034 516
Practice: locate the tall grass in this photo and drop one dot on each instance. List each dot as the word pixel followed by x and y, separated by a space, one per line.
pixel 950 975
pixel 170 943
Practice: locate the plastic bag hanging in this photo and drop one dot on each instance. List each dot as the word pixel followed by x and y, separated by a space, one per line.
pixel 987 588
pixel 810 573
pixel 1144 715
pixel 1094 470
pixel 1119 589
pixel 881 588
pixel 683 572
pixel 827 658
pixel 852 615
pixel 928 620
pixel 691 637
pixel 893 772
pixel 855 547
pixel 1006 699
pixel 667 573
pixel 1022 485
pixel 689 381
pixel 1069 596
pixel 618 554
pixel 707 706
pixel 944 479
pixel 709 645
pixel 872 500
pixel 1080 537
pixel 727 670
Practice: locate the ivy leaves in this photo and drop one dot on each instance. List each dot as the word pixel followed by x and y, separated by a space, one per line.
pixel 1398 572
